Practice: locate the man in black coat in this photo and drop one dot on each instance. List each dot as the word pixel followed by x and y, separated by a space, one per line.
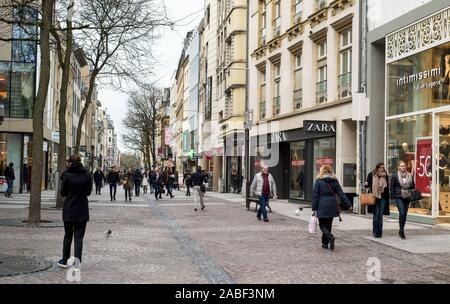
pixel 99 177
pixel 137 177
pixel 76 186
pixel 113 179
pixel 10 177
pixel 157 181
pixel 198 180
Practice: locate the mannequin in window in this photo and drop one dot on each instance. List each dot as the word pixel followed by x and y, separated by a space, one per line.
pixel 446 81
pixel 443 163
pixel 300 180
pixel 444 149
pixel 407 157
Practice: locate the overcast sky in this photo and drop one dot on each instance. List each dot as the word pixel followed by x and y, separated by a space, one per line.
pixel 167 52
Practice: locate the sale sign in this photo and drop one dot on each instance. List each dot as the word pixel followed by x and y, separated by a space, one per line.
pixel 423 175
pixel 324 161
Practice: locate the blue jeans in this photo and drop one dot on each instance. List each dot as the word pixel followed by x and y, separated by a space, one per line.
pixel 403 206
pixel 378 210
pixel 263 200
pixel 9 182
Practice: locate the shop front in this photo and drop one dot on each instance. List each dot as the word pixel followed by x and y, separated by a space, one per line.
pixel 418 124
pixel 295 157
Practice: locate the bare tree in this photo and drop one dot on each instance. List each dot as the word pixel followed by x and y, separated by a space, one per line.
pixel 34 20
pixel 118 43
pixel 141 122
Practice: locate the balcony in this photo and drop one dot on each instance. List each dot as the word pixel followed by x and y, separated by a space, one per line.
pixel 344 85
pixel 277 27
pixel 298 101
pixel 276 106
pixel 262 110
pixel 321 92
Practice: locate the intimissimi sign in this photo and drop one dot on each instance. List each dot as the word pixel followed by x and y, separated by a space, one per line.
pixel 418 76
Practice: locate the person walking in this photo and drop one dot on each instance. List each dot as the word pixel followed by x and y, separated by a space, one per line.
pixel 76 186
pixel 127 182
pixel 263 186
pixel 145 182
pixel 325 204
pixel 378 184
pixel 170 180
pixel 99 177
pixel 10 177
pixel 137 178
pixel 113 179
pixel 157 183
pixel 176 184
pixel 187 181
pixel 400 190
pixel 198 180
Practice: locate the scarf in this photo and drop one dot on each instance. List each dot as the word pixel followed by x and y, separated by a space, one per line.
pixel 379 183
pixel 405 185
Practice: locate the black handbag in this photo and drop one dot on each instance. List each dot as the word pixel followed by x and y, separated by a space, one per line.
pixel 416 195
pixel 203 188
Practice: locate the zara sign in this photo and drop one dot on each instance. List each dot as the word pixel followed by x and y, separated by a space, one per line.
pixel 319 126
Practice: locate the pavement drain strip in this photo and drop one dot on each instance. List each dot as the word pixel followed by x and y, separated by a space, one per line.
pixel 209 268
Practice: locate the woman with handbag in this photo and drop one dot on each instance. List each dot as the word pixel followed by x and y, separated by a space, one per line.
pixel 377 184
pixel 325 204
pixel 400 190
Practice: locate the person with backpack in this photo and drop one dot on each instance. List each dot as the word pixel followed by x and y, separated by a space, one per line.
pixel 325 204
pixel 76 186
pixel 198 181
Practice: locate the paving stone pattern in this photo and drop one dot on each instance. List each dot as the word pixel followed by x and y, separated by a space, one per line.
pixel 225 243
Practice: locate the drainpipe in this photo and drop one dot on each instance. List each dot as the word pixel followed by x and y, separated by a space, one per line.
pixel 247 115
pixel 362 88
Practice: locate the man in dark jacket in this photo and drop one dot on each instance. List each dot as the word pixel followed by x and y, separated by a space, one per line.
pixel 113 179
pixel 76 186
pixel 10 177
pixel 99 177
pixel 198 180
pixel 157 181
pixel 187 180
pixel 137 177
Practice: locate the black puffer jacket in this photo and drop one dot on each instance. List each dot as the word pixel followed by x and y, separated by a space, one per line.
pixel 395 189
pixel 76 186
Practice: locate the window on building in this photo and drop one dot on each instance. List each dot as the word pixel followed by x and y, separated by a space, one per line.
pixel 345 64
pixel 276 89
pixel 262 94
pixel 298 81
pixel 208 103
pixel 319 4
pixel 297 10
pixel 109 139
pixel 321 86
pixel 262 21
pixel 277 18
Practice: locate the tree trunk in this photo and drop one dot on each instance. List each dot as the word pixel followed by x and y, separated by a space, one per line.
pixel 62 111
pixel 34 215
pixel 85 109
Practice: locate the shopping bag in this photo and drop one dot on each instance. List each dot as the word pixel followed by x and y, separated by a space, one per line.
pixel 367 199
pixel 313 222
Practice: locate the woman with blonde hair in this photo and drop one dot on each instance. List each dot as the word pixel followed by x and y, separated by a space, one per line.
pixel 325 204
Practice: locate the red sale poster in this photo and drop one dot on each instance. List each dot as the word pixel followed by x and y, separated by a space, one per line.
pixel 423 176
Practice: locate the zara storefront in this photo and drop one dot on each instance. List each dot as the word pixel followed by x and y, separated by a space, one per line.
pixel 417 111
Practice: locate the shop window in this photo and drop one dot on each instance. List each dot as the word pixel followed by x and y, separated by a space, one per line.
pixel 404 136
pixel 324 154
pixel 297 178
pixel 420 81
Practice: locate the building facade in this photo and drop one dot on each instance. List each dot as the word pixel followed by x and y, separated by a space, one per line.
pixel 303 72
pixel 408 88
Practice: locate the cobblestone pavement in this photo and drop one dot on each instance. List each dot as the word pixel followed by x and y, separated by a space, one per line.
pixel 167 241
